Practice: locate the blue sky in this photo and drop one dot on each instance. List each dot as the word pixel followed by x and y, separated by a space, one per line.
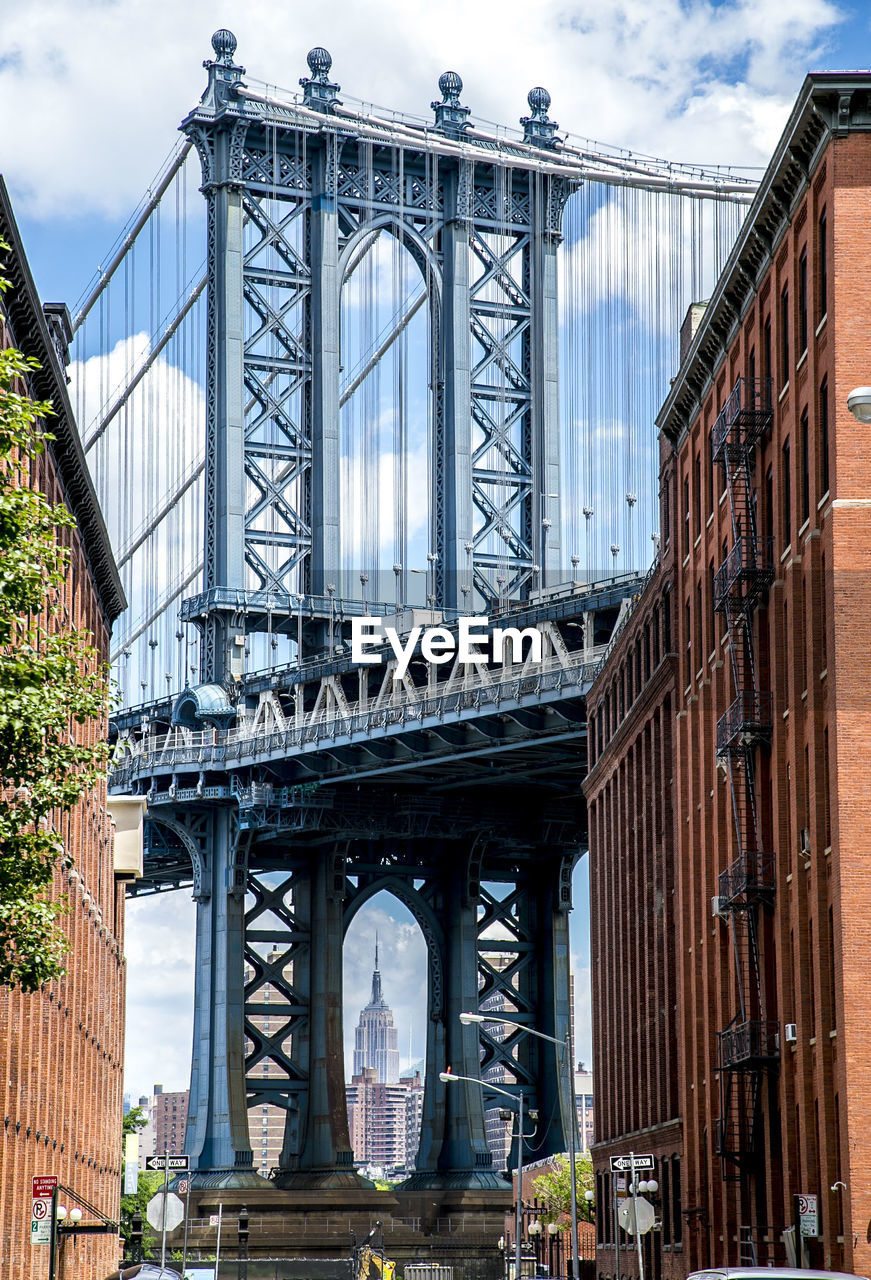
pixel 92 93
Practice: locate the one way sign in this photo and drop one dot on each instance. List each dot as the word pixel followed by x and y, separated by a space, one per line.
pixel 182 1163
pixel 621 1163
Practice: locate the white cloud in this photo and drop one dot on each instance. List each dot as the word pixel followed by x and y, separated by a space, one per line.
pixel 160 988
pixel 103 87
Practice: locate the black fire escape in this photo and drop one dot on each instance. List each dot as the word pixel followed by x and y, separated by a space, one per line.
pixel 749 1046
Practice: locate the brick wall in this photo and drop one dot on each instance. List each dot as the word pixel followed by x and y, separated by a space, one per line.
pixel 812 485
pixel 636 1017
pixel 61 1049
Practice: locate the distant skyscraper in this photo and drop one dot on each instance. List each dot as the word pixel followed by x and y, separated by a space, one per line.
pixel 376 1040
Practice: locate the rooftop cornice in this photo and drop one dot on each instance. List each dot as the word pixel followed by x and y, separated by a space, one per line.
pixel 830 104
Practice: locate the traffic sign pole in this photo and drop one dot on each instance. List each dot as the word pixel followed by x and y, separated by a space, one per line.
pixel 52 1256
pixel 187 1213
pixel 635 1216
pixel 615 1176
pixel 165 1189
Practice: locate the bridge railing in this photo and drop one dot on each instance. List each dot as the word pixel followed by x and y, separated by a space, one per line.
pixel 180 745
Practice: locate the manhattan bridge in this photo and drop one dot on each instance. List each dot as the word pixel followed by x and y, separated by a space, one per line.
pixel 395 367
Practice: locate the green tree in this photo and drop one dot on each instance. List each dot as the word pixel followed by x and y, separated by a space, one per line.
pixel 51 684
pixel 554 1189
pixel 134 1120
pixel 147 1186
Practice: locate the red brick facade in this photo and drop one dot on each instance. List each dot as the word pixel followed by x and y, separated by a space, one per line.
pixel 795 306
pixel 61 1049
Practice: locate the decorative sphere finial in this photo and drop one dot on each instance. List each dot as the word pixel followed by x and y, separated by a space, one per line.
pixel 538 128
pixel 224 44
pixel 538 99
pixel 319 61
pixel 450 85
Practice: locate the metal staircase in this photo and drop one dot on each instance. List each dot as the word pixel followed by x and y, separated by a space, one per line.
pixel 749 1045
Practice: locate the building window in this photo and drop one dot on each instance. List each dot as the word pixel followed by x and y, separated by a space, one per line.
pixel 823 260
pixel 689 642
pixel 784 336
pixel 666 517
pixel 805 469
pixel 802 301
pixel 769 503
pixel 832 988
pixel 824 436
pixel 811 984
pixel 751 368
pixel 711 489
pixel 686 515
pixel 767 370
pixel 827 809
pixel 824 643
pixel 786 495
pixel 698 494
pixel 676 1201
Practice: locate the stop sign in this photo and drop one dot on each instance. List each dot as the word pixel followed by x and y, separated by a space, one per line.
pixel 636 1215
pixel 170 1208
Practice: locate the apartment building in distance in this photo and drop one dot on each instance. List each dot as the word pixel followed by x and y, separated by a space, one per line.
pixel 61 1048
pixel 730 813
pixel 166 1121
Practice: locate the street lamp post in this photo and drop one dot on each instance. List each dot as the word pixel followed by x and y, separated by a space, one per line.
pixel 447 1077
pixel 300 599
pixel 545 529
pixel 466 1019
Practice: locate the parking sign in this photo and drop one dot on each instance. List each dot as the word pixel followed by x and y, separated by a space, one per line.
pixel 40 1209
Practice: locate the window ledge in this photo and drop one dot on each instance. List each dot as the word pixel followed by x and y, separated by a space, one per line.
pixel 804 528
pixel 833 1033
pixel 823 500
pixel 821 325
pixel 802 359
pixel 824 673
pixel 708 523
pixel 697 541
pixel 784 393
pixel 787 553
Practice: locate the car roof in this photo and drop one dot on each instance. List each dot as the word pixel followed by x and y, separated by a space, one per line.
pixel 770 1273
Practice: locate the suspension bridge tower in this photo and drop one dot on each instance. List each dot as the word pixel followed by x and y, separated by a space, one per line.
pixel 290 795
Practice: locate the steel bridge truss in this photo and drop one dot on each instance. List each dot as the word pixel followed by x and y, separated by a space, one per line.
pixel 296 195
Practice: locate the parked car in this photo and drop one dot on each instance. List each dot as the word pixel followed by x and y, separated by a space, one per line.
pixel 770 1273
pixel 145 1271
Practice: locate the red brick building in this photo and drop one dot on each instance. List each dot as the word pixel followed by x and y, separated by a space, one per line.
pixel 170 1122
pixel 61 1049
pixel 730 814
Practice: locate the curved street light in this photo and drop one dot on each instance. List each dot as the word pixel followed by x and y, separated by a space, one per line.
pixel 447 1077
pixel 468 1019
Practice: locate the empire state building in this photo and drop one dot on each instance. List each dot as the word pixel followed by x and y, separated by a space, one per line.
pixel 376 1038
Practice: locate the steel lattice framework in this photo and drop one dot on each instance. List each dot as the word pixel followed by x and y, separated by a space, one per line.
pixel 295 194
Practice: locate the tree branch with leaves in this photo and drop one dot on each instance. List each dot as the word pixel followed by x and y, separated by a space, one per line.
pixel 52 685
pixel 554 1190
